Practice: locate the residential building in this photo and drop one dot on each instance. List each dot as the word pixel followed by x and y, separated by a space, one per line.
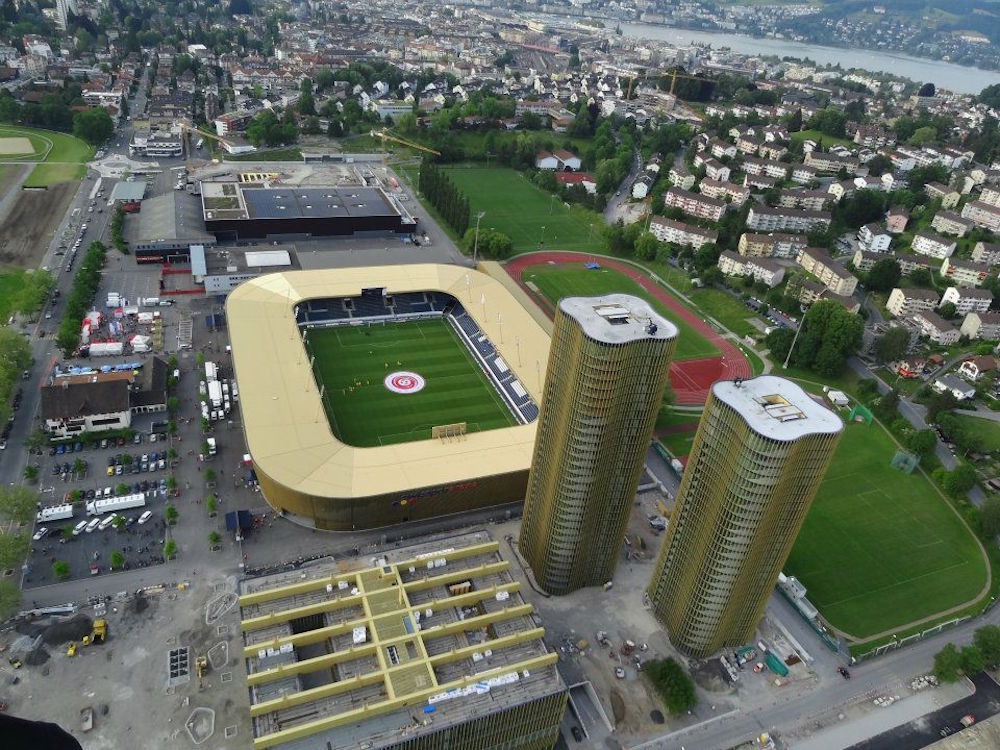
pixel 545 160
pixel 864 260
pixel 737 195
pixel 777 170
pixel 811 292
pixel 975 367
pixel 694 204
pixel 577 178
pixel 958 388
pixel 981 325
pixel 803 174
pixel 761 269
pixel 936 191
pixel 761 451
pixel 680 177
pixel 967 299
pixel 391 108
pixel 811 200
pixel 896 219
pixel 948 222
pixel 640 188
pixel 567 160
pixel 830 273
pixel 933 245
pixel 605 380
pixel 964 272
pixel 160 144
pixel 872 237
pixel 983 215
pixel 99 401
pixel 936 328
pixel 986 252
pixel 830 163
pixel 766 219
pixel 347 658
pixel 714 170
pixel 679 233
pixel 990 194
pixel 773 245
pixel 905 302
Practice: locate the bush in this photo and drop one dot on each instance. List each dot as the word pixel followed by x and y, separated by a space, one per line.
pixel 673 684
pixel 60 570
pixel 169 549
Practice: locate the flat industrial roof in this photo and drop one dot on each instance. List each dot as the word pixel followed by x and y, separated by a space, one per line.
pixel 618 318
pixel 439 628
pixel 287 432
pixel 236 200
pixel 777 408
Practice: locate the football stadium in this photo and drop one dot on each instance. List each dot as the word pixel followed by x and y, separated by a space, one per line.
pixel 375 396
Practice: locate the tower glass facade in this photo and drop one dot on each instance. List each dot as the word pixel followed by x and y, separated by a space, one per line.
pixel 760 453
pixel 604 384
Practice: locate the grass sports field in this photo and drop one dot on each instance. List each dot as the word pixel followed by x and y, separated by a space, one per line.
pixel 353 362
pixel 49 145
pixel 880 548
pixel 50 174
pixel 556 282
pixel 519 209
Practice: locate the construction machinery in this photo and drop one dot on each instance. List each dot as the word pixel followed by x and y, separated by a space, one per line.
pixel 200 668
pixel 71 649
pixel 674 75
pixel 384 136
pixel 98 634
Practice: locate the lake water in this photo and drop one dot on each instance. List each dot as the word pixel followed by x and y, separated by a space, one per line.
pixel 958 78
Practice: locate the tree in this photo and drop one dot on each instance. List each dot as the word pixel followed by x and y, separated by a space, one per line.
pixel 173 404
pixel 892 345
pixel 987 640
pixel 948 664
pixel 779 341
pixel 989 517
pixel 10 599
pixel 673 684
pixel 18 503
pixel 119 522
pixel 171 483
pixel 922 136
pixel 93 126
pixel 170 513
pixel 922 278
pixel 210 506
pixel 922 443
pixel 31 472
pixel 36 440
pixel 13 550
pixel 117 560
pixel 960 481
pixel 121 489
pixel 170 549
pixel 938 403
pixel 827 337
pixel 213 539
pixel 972 660
pixel 947 310
pixel 60 570
pixel 884 275
pixel 66 533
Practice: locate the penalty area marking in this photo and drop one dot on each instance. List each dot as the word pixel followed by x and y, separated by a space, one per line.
pixel 404 382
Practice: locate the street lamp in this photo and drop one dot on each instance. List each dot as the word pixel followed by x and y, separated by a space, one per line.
pixel 475 247
pixel 542 240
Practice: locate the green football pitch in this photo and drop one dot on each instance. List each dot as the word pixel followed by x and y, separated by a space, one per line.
pixel 880 548
pixel 354 361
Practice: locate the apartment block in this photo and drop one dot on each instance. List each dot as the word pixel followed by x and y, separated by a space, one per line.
pixel 964 272
pixel 905 302
pixel 679 233
pixel 932 245
pixel 766 219
pixel 830 273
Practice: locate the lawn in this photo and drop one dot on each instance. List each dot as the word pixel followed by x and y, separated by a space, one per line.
pixel 44 175
pixel 828 140
pixel 566 280
pixel 61 147
pixel 354 361
pixel 880 548
pixel 985 431
pixel 520 210
pixel 11 281
pixel 726 309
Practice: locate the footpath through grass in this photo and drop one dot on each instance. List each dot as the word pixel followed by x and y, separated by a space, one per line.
pixel 880 548
pixel 353 362
pixel 567 280
pixel 519 209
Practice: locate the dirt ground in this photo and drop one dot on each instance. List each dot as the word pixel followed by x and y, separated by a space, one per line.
pixel 28 228
pixel 16 145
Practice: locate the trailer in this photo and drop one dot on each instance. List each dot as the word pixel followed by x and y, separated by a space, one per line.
pixel 55 513
pixel 215 393
pixel 100 507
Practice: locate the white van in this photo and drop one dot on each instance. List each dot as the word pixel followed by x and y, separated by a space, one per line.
pixel 94 523
pixel 80 528
pixel 108 520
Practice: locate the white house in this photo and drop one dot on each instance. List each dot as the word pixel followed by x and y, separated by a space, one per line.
pixel 545 160
pixel 961 390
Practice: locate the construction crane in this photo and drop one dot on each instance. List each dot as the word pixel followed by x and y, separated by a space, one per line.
pixel 386 136
pixel 674 75
pixel 187 130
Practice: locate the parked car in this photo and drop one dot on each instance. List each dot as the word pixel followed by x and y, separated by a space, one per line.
pixel 40 533
pixel 145 516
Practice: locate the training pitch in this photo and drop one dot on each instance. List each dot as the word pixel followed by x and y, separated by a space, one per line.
pixel 880 548
pixel 372 397
pixel 16 145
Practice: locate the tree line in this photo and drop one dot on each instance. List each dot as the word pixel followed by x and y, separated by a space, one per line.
pixel 81 297
pixel 444 196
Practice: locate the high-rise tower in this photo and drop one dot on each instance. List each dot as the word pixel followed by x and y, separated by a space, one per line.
pixel 762 448
pixel 604 384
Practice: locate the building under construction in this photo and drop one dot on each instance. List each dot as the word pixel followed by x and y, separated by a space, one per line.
pixel 426 647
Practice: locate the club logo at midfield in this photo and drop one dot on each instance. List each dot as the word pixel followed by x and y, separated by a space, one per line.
pixel 404 382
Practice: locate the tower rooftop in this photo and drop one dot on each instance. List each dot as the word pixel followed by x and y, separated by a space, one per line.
pixel 777 408
pixel 617 318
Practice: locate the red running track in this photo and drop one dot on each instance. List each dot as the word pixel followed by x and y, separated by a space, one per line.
pixel 691 378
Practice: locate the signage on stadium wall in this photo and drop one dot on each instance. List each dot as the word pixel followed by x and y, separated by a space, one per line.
pixel 412 498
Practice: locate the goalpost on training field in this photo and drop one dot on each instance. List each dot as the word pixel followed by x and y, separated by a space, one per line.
pixel 448 431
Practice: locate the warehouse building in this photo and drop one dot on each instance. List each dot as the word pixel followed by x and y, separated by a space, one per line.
pixel 429 646
pixel 167 227
pixel 238 211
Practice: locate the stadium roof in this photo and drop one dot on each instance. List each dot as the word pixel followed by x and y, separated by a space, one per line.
pixel 287 432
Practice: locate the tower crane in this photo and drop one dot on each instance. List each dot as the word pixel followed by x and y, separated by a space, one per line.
pixel 674 75
pixel 384 136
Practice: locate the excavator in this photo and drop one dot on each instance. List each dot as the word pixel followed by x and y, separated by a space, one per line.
pixel 98 634
pixel 200 668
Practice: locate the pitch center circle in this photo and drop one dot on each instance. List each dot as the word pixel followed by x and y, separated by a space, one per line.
pixel 404 382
